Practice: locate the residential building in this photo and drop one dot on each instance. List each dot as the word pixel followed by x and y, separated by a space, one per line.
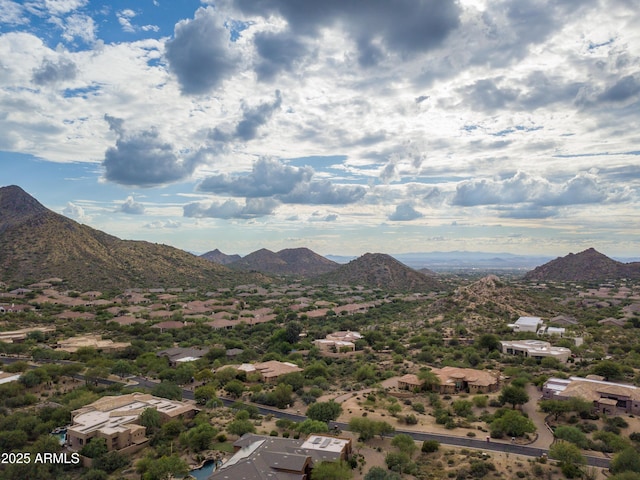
pixel 260 458
pixel 178 355
pixel 537 349
pixel 269 371
pixel 456 380
pixel 526 324
pixel 409 382
pixel 116 419
pixel 607 397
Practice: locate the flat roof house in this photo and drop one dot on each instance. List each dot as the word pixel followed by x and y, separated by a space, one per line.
pixel 115 418
pixel 535 349
pixel 526 324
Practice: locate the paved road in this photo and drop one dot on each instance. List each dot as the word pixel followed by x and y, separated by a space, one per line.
pixel 419 436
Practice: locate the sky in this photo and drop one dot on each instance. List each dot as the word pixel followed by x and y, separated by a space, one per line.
pixel 344 126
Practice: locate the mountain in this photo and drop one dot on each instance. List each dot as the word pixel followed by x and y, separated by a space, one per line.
pixel 488 303
pixel 589 265
pixel 37 243
pixel 217 256
pixel 291 261
pixel 382 271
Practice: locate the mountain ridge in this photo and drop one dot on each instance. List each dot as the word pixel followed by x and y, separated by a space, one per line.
pixel 37 243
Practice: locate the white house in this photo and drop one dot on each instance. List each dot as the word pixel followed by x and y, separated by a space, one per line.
pixel 526 324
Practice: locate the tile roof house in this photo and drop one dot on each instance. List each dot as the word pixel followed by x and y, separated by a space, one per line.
pixel 455 380
pixel 607 397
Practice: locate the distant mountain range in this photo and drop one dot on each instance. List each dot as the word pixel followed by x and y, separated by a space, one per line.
pixel 300 262
pixel 589 265
pixel 37 243
pixel 217 256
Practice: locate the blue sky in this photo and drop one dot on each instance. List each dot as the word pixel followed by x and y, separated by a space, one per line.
pixel 343 126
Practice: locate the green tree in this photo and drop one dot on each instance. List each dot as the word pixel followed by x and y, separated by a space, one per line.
pixel 608 369
pixel 430 381
pixel 235 388
pixel 628 460
pixel 405 443
pixel 513 395
pixel 240 427
pixel 292 332
pixel 513 424
pixel 151 420
pixel 324 411
pixel 205 393
pixel 122 368
pixel 570 458
pixel 379 473
pixel 199 438
pixel 430 446
pixel 572 435
pixel 167 390
pixel 312 426
pixel 162 468
pixel 96 447
pixel 331 471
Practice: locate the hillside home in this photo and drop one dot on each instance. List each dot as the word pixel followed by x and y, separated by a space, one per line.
pixel 607 397
pixel 535 349
pixel 526 324
pixel 260 458
pixel 116 419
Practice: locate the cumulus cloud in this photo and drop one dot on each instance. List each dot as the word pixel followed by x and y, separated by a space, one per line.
pixel 277 52
pixel 201 53
pixel 51 72
pixel 584 188
pixel 143 158
pixel 253 208
pixel 404 213
pixel 131 207
pixel 624 89
pixel 285 183
pixel 401 27
pixel 76 212
pixel 160 225
pixel 268 177
pixel 252 119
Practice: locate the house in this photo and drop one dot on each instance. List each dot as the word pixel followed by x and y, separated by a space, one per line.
pixel 269 371
pixel 178 355
pixel 258 457
pixel 456 380
pixel 607 397
pixel 552 331
pixel 526 324
pixel 409 382
pixel 535 349
pixel 116 419
pixel 169 325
